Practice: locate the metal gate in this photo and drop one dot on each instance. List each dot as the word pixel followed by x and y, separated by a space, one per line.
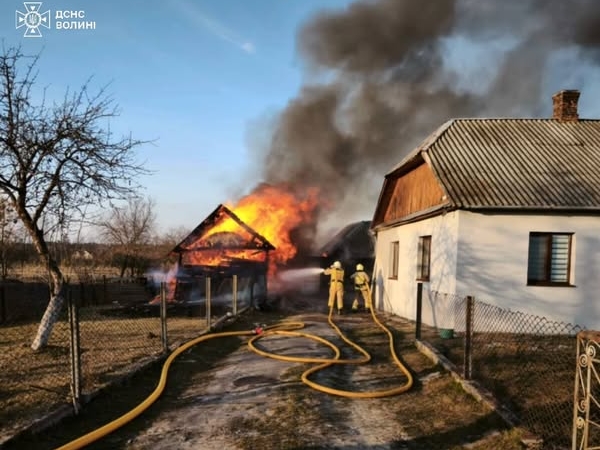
pixel 586 408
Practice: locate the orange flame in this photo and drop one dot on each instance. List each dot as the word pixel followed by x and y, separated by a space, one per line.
pixel 274 212
pixel 271 211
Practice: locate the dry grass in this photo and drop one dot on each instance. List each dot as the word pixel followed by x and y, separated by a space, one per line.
pixel 73 273
pixel 35 383
pixel 531 374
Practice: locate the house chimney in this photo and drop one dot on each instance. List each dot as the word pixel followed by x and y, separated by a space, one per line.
pixel 565 106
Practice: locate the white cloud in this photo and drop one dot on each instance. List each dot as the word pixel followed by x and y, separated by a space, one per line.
pixel 213 26
pixel 248 47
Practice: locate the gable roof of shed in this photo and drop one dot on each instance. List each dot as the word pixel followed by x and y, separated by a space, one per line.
pixel 513 163
pixel 221 213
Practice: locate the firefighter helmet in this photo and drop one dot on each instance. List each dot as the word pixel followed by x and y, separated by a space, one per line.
pixel 360 267
pixel 337 265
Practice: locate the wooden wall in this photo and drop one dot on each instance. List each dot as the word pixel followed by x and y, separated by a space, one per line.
pixel 415 191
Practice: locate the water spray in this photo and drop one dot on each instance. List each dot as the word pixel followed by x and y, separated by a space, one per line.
pixel 299 274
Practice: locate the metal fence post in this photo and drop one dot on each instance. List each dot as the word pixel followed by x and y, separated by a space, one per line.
pixel 468 356
pixel 579 399
pixel 208 302
pixel 104 290
pixel 75 350
pixel 163 316
pixel 419 310
pixel 235 294
pixel 3 313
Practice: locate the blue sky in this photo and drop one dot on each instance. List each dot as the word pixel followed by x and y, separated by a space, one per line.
pixel 190 74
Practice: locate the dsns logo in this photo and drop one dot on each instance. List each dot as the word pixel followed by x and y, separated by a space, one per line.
pixel 32 19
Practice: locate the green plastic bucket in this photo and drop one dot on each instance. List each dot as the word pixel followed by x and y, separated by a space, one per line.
pixel 446 333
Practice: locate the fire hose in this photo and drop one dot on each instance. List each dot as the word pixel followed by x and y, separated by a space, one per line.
pixel 282 329
pixel 323 363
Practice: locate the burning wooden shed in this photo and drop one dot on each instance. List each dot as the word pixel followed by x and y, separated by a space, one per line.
pixel 221 246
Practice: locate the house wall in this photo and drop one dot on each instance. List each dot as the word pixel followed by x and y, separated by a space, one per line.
pixel 398 296
pixel 492 265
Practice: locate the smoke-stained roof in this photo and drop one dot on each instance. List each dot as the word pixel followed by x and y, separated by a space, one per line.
pixel 514 163
pixel 354 241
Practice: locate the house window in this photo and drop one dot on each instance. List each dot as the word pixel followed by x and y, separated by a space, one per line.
pixel 394 259
pixel 424 258
pixel 549 261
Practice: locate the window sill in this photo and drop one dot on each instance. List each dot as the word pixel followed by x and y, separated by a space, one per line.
pixel 392 278
pixel 559 285
pixel 423 280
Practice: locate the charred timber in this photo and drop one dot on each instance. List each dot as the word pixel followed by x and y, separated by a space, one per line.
pixel 217 246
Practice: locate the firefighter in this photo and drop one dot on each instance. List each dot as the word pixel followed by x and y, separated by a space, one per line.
pixel 361 286
pixel 336 285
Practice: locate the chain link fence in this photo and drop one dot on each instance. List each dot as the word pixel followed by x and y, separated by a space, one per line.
pixel 526 361
pixel 32 383
pixel 106 331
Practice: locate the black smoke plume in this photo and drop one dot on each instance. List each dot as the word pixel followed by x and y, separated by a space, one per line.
pixel 398 69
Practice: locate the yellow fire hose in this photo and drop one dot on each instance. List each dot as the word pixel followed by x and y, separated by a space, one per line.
pixel 284 329
pixel 323 363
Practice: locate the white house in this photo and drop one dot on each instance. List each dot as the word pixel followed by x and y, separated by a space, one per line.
pixel 506 210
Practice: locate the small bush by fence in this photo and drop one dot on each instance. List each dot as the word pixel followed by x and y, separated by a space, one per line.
pixel 93 344
pixel 526 361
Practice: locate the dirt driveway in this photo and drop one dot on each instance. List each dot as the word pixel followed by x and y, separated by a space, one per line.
pixel 220 395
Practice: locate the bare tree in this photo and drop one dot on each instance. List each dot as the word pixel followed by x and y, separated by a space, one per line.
pixel 173 236
pixel 55 160
pixel 131 229
pixel 8 231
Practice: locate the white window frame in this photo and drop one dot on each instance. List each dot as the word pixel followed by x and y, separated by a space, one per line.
pixel 549 258
pixel 394 262
pixel 424 258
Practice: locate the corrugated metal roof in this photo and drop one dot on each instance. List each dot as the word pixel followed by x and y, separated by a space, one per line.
pixel 516 163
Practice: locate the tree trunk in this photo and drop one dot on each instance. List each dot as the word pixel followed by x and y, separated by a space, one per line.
pixel 54 307
pixel 124 266
pixel 49 318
